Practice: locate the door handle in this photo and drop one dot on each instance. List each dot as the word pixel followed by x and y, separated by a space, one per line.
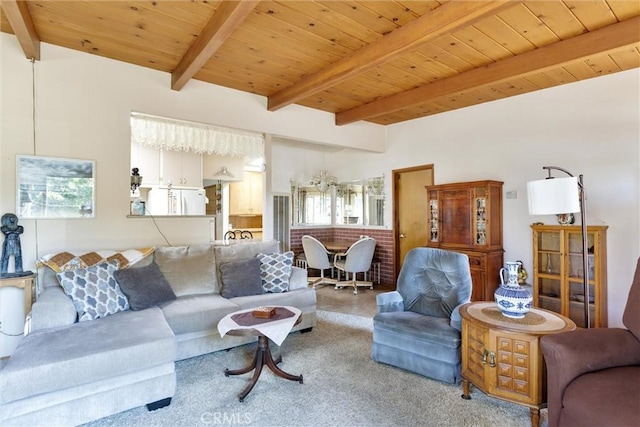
pixel 402 236
pixel 492 358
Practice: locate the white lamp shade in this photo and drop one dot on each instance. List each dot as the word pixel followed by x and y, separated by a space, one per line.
pixel 553 196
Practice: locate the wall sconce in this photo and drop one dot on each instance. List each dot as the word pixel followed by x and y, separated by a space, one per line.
pixel 323 181
pixel 375 186
pixel 223 172
pixel 563 196
pixel 136 179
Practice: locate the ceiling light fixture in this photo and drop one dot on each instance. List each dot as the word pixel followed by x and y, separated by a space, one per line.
pixel 323 181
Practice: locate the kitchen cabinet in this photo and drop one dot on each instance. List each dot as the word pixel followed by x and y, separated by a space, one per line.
pixel 162 167
pixel 147 160
pixel 502 356
pixel 245 197
pixel 181 168
pixel 558 271
pixel 467 217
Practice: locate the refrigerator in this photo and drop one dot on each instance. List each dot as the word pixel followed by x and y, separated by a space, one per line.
pixel 172 201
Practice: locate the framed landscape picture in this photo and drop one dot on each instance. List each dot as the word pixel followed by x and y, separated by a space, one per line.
pixel 52 187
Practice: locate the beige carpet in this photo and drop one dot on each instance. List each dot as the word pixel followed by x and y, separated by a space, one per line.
pixel 342 387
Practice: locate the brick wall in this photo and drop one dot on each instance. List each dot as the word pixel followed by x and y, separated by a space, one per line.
pixel 384 244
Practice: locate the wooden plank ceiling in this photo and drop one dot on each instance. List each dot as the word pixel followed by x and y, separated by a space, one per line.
pixel 380 61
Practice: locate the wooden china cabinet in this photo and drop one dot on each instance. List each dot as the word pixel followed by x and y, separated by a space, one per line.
pixel 467 217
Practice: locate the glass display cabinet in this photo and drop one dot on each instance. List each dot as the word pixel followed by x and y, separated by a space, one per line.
pixel 558 272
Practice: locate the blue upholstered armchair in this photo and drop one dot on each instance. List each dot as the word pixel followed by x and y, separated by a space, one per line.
pixel 417 327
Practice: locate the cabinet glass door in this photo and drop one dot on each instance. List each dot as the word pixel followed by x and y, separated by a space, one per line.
pixel 433 220
pixel 576 278
pixel 481 221
pixel 549 268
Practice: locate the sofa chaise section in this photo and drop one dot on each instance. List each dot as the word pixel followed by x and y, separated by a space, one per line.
pixel 74 374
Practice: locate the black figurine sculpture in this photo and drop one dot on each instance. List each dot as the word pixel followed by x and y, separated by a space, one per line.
pixel 11 246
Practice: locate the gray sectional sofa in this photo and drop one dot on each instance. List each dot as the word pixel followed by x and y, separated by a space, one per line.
pixel 67 372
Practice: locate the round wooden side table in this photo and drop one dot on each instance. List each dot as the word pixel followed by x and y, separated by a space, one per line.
pixel 263 355
pixel 502 356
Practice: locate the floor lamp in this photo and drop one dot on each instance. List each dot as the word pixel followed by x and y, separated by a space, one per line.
pixel 563 196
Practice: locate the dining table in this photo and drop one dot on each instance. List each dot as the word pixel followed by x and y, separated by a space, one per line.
pixel 337 246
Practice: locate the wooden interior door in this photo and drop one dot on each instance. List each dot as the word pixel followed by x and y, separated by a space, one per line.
pixel 410 210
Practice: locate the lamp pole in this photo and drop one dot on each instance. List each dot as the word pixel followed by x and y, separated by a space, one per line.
pixel 585 254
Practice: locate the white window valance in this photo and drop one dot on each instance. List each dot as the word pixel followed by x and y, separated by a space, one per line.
pixel 179 135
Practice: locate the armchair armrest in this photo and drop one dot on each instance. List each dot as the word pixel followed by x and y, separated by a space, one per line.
pixel 53 308
pixel 455 320
pixel 389 301
pixel 571 354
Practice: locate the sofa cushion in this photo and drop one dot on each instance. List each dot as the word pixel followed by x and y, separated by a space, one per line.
pixel 275 270
pixel 242 249
pixel 88 352
pixel 144 287
pixel 190 270
pixel 603 398
pixel 94 290
pixel 70 260
pixel 195 313
pixel 241 278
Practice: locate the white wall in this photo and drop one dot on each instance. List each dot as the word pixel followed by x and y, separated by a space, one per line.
pixel 591 128
pixel 83 105
pixel 84 102
pixel 82 108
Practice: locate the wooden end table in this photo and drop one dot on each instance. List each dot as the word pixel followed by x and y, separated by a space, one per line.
pixel 502 356
pixel 263 353
pixel 26 282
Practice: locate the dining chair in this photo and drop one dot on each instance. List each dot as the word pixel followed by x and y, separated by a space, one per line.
pixel 357 259
pixel 238 234
pixel 317 257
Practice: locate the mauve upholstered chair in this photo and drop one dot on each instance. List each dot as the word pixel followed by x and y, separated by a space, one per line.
pixel 593 375
pixel 417 327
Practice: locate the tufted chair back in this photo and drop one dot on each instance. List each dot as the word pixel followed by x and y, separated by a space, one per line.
pixel 433 281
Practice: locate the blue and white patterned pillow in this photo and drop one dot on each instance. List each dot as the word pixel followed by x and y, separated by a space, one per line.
pixel 275 270
pixel 94 290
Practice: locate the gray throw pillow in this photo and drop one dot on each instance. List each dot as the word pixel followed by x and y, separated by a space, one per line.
pixel 241 278
pixel 144 286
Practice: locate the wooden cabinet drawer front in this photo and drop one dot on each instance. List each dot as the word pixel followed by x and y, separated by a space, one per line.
pixel 521 360
pixel 477 262
pixel 505 357
pixel 505 345
pixel 522 387
pixel 505 370
pixel 521 347
pixel 521 374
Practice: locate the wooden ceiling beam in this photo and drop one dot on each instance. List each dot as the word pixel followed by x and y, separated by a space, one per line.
pixel 613 37
pixel 228 17
pixel 445 19
pixel 18 15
